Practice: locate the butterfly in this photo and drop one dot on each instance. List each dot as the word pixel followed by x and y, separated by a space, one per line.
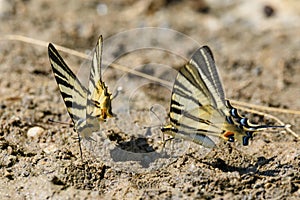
pixel 87 107
pixel 199 110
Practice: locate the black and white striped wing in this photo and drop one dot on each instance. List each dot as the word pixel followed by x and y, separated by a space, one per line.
pixel 197 100
pixel 203 60
pixel 199 110
pixel 73 92
pixel 99 99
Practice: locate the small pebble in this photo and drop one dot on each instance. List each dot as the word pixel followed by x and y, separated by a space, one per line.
pixel 102 9
pixel 34 132
pixel 50 149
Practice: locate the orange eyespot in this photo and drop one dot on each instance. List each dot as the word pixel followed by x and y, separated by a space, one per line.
pixel 228 134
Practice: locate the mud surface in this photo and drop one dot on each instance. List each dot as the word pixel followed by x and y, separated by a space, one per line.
pixel 256 46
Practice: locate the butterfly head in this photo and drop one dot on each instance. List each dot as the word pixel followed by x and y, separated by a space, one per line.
pixel 169 129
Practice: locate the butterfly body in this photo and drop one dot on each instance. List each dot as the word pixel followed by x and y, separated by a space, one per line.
pixel 101 100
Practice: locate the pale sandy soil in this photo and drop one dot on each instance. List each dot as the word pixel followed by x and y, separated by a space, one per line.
pixel 256 50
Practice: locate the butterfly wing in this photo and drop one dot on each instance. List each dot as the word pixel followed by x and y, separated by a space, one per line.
pixel 86 107
pixel 72 91
pixel 205 60
pixel 198 108
pixel 99 99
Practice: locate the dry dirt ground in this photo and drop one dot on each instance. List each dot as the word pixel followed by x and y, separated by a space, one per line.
pixel 256 45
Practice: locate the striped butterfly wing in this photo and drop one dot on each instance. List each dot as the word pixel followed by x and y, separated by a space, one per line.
pixel 204 57
pixel 86 107
pixel 198 109
pixel 73 92
pixel 195 100
pixel 99 98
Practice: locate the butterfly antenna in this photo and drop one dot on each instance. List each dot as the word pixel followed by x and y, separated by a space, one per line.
pixel 151 110
pixel 119 90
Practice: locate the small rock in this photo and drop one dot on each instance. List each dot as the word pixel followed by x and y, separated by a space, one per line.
pixel 34 132
pixel 50 149
pixel 102 9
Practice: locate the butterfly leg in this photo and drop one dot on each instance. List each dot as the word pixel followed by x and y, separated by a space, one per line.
pixel 164 141
pixel 80 149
